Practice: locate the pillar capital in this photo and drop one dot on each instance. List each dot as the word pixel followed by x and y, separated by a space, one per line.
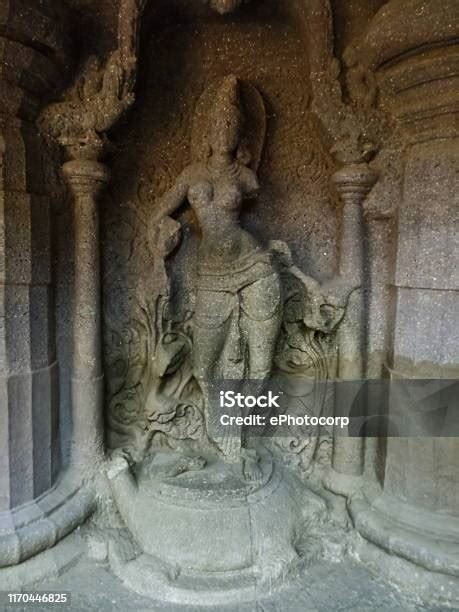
pixel 86 177
pixel 354 182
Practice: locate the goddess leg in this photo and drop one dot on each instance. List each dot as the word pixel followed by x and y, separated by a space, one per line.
pixel 211 329
pixel 261 319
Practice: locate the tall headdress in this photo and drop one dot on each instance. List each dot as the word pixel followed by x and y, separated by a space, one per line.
pixel 238 102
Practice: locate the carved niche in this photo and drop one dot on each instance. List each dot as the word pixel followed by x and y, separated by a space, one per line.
pixel 148 289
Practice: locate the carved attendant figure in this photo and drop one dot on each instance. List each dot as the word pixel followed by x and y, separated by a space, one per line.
pixel 238 303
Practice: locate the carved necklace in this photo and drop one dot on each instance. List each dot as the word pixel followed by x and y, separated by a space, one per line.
pixel 232 169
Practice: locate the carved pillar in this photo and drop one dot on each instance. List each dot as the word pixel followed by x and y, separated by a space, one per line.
pixel 79 123
pixel 353 183
pixel 350 125
pixel 38 504
pixel 86 178
pixel 415 514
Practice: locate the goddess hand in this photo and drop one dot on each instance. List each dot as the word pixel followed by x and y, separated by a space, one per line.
pixel 164 235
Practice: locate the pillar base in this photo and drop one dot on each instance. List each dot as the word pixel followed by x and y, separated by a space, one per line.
pixel 38 525
pixel 431 588
pixel 427 540
pixel 47 565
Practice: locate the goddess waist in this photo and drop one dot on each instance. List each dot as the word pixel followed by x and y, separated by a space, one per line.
pixel 236 275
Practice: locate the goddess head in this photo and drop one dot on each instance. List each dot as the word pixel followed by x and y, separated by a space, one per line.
pixel 225 6
pixel 226 118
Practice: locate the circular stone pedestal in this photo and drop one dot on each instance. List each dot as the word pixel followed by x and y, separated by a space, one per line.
pixel 207 533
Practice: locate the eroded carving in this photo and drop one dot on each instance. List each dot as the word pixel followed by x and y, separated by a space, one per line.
pixel 91 106
pixel 238 306
pixel 345 96
pixel 235 308
pixel 100 94
pixel 252 311
pixel 304 351
pixel 225 6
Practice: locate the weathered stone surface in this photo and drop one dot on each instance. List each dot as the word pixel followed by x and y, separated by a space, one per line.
pixel 32 61
pixel 418 86
pixel 120 304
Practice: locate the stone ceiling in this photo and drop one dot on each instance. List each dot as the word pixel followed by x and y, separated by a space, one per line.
pixel 97 20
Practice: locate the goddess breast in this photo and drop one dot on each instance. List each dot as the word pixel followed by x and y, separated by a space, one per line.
pixel 200 194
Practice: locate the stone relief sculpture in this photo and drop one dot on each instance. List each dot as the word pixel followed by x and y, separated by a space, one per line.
pixel 101 93
pixel 254 312
pixel 98 98
pixel 250 314
pixel 80 121
pixel 254 315
pixel 238 306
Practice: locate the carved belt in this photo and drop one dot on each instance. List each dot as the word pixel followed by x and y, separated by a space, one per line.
pixel 236 276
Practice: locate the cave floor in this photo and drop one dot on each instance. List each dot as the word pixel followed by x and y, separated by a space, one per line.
pixel 325 587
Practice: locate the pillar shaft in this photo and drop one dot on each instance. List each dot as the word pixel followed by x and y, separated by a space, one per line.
pixel 86 178
pixel 353 183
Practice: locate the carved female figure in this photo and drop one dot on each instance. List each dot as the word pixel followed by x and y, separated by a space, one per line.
pixel 238 307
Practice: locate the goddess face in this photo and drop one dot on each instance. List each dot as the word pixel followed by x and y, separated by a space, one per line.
pixel 224 136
